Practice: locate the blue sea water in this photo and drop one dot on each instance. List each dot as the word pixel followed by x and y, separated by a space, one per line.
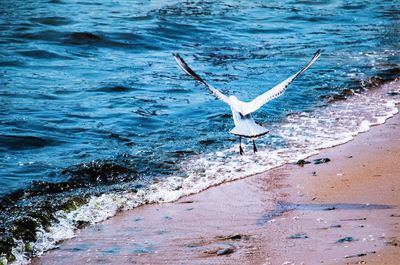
pixel 91 98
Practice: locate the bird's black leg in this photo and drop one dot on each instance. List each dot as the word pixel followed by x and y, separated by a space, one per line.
pixel 254 146
pixel 240 146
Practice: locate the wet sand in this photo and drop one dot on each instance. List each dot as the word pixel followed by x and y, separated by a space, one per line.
pixel 345 211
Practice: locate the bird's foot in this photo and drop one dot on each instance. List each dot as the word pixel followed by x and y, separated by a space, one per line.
pixel 241 150
pixel 254 147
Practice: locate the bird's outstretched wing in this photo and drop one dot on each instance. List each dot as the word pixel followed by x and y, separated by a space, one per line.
pixel 183 65
pixel 276 91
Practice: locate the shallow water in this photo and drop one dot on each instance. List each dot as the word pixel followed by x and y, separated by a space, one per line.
pixel 93 104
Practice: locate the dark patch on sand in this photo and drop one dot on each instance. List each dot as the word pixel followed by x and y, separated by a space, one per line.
pixel 346 239
pixel 298 236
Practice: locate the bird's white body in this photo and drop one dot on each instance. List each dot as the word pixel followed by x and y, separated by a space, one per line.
pixel 244 124
pixel 241 111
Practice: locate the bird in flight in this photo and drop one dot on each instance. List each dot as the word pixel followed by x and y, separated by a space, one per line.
pixel 245 126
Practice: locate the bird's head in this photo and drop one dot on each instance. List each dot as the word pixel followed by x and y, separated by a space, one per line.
pixel 233 99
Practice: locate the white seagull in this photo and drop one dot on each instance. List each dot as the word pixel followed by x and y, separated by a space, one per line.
pixel 241 111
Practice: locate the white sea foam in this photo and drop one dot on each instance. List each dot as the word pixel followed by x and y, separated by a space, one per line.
pixel 303 134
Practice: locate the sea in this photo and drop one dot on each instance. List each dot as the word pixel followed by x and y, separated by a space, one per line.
pixel 96 117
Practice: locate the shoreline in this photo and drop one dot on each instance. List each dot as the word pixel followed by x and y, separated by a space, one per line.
pixel 340 212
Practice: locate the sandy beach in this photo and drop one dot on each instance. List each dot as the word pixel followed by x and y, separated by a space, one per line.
pixel 341 208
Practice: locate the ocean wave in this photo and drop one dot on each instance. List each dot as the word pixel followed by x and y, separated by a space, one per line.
pixel 17 142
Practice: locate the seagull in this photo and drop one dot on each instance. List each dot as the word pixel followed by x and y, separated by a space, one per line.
pixel 245 126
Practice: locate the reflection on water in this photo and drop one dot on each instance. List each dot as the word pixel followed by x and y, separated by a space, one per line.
pixel 283 207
